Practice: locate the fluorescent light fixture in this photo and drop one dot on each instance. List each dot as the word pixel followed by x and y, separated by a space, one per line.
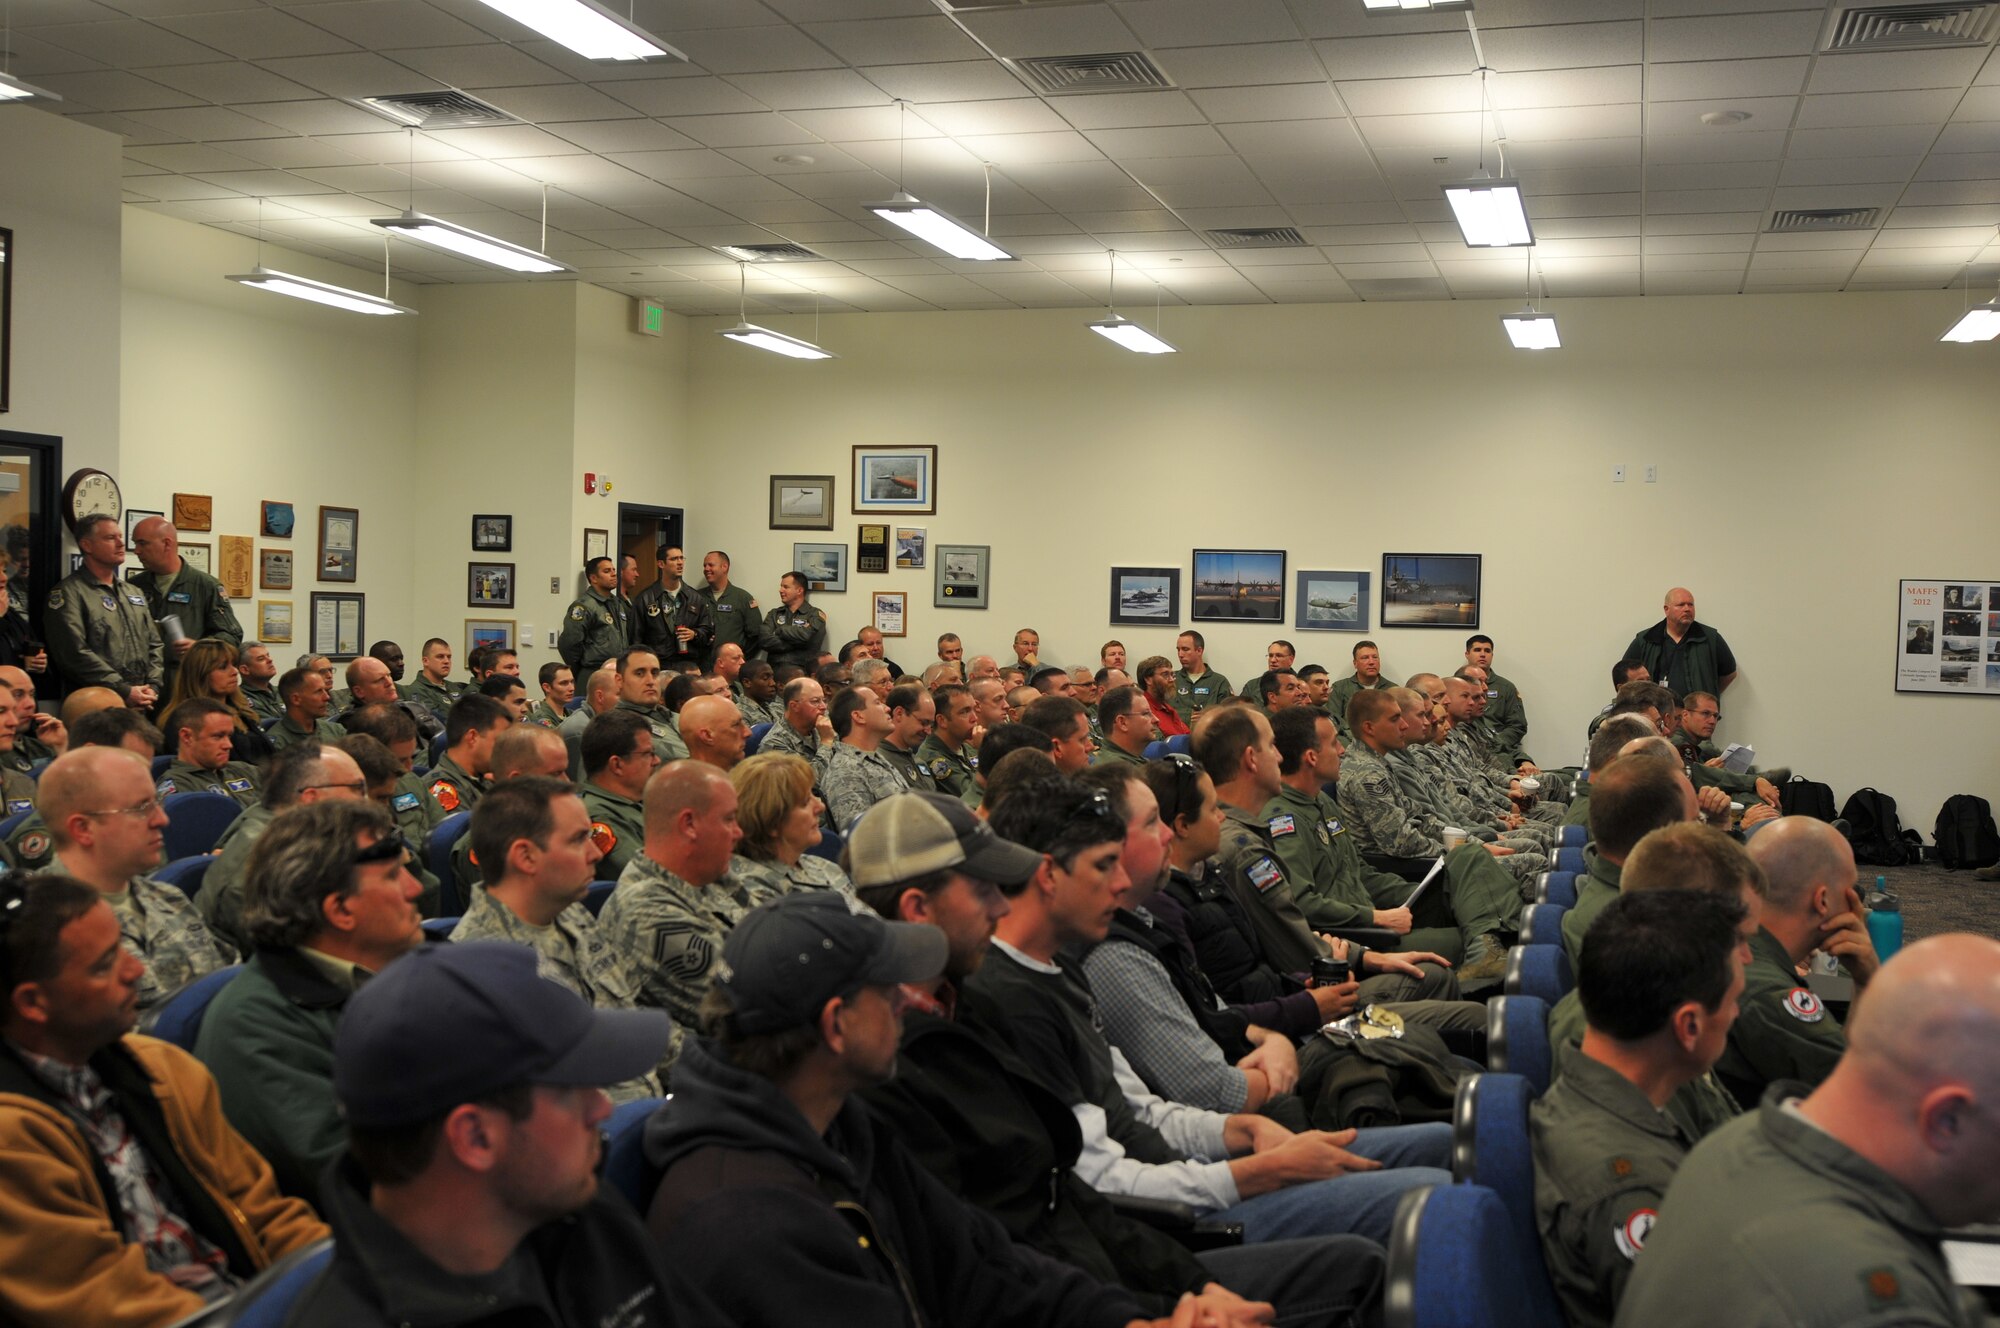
pixel 1531 331
pixel 469 243
pixel 588 28
pixel 13 89
pixel 934 226
pixel 1131 336
pixel 763 338
pixel 1412 6
pixel 1980 323
pixel 1490 213
pixel 320 292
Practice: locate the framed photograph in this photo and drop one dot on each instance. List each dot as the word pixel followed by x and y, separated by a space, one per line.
pixel 961 576
pixel 492 533
pixel 8 261
pixel 275 521
pixel 890 606
pixel 489 585
pixel 895 479
pixel 1430 590
pixel 237 565
pixel 909 546
pixel 274 569
pixel 1146 596
pixel 133 516
pixel 198 556
pixel 274 621
pixel 1331 601
pixel 488 632
pixel 596 544
pixel 871 548
pixel 1240 585
pixel 1948 636
pixel 802 502
pixel 824 566
pixel 339 528
pixel 194 511
pixel 339 623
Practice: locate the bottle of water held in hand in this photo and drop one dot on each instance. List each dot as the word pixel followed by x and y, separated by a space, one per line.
pixel 1885 919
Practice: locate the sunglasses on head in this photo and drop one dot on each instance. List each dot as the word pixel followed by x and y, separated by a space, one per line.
pixel 391 847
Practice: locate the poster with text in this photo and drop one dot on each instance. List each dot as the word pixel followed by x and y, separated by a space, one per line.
pixel 1948 637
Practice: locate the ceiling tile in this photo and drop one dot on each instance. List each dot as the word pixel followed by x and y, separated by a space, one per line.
pixel 1580 205
pixel 1834 196
pixel 229 81
pixel 114 90
pixel 1950 192
pixel 1567 87
pixel 1432 134
pixel 1891 71
pixel 258 34
pixel 1416 56
pixel 557 103
pixel 1135 110
pixel 1712 175
pixel 1015 149
pixel 267 184
pixel 1696 262
pixel 1705 200
pixel 1566 228
pixel 1853 241
pixel 318 116
pixel 1333 144
pixel 1252 65
pixel 1978 103
pixel 958 80
pixel 1847 110
pixel 187 158
pixel 1447 94
pixel 474 67
pixel 355 74
pixel 623 136
pixel 1733 36
pixel 385 24
pixel 1710 145
pixel 1887 141
pixel 124 44
pixel 1969 238
pixel 757 50
pixel 1960 166
pixel 206 124
pixel 1983 136
pixel 686 96
pixel 498 142
pixel 1202 22
pixel 811 89
pixel 1698 244
pixel 735 131
pixel 1702 223
pixel 1601 180
pixel 1574 154
pixel 1619 121
pixel 895 41
pixel 1024 115
pixel 1564 46
pixel 1767 115
pixel 1719 80
pixel 1176 141
pixel 1849 170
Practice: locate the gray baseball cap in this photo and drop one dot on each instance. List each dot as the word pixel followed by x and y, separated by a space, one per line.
pixel 913 834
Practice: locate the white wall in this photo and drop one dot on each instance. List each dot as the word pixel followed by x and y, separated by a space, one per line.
pixel 1809 449
pixel 59 193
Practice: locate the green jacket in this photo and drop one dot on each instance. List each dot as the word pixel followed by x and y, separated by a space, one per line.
pixel 1699 661
pixel 1594 890
pixel 1343 692
pixel 1254 874
pixel 595 628
pixel 915 774
pixel 791 637
pixel 221 897
pixel 236 780
pixel 264 702
pixel 657 612
pixel 545 715
pixel 285 733
pixel 735 615
pixel 667 742
pixel 1509 717
pixel 618 825
pixel 954 772
pixel 103 635
pixel 1698 1108
pixel 197 599
pixel 449 788
pixel 1330 885
pixel 1782 1030
pixel 1772 1222
pixel 1194 695
pixel 435 697
pixel 1112 754
pixel 268 1040
pixel 1604 1156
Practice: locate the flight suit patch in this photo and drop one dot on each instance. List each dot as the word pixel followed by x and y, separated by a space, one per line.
pixel 1630 1235
pixel 446 794
pixel 56 598
pixel 1264 874
pixel 236 785
pixel 403 802
pixel 576 614
pixel 940 768
pixel 167 788
pixel 1883 1286
pixel 1283 824
pixel 1333 826
pixel 604 837
pixel 1803 1006
pixel 34 845
pixel 15 806
pixel 179 597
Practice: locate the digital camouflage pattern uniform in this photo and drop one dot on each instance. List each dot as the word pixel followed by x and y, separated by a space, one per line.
pixel 852 781
pixel 1385 822
pixel 757 881
pixel 162 926
pixel 672 934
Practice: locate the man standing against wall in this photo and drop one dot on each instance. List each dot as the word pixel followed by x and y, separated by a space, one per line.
pixel 1686 655
pixel 100 631
pixel 171 587
pixel 673 617
pixel 731 607
pixel 598 624
pixel 1196 686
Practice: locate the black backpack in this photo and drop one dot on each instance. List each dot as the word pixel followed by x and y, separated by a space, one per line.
pixel 1872 826
pixel 1804 797
pixel 1965 833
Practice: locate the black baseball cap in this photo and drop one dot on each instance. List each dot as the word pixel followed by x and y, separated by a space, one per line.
pixel 785 960
pixel 448 1024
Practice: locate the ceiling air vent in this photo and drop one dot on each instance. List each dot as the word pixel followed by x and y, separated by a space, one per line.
pixel 1911 27
pixel 1823 219
pixel 446 109
pixel 766 253
pixel 1117 71
pixel 1257 237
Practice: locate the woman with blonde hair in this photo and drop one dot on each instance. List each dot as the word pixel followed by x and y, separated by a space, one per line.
pixel 209 670
pixel 779 814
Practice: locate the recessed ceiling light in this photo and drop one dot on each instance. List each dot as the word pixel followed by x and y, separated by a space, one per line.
pixel 1725 117
pixel 794 159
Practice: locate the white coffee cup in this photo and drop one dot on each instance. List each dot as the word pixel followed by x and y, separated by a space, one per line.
pixel 1530 784
pixel 1453 837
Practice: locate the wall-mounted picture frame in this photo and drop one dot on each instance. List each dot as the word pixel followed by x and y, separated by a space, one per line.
pixel 1331 601
pixel 339 538
pixel 962 577
pixel 8 261
pixel 871 547
pixel 274 569
pixel 488 632
pixel 133 516
pixel 489 585
pixel 339 623
pixel 802 502
pixel 891 480
pixel 201 557
pixel 274 621
pixel 275 520
pixel 238 568
pixel 910 541
pixel 1238 585
pixel 891 612
pixel 824 566
pixel 194 511
pixel 492 532
pixel 1430 589
pixel 1146 596
pixel 596 544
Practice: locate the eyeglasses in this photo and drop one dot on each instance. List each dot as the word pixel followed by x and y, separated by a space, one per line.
pixel 359 788
pixel 391 847
pixel 145 808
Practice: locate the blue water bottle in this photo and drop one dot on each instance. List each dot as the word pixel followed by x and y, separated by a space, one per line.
pixel 1885 919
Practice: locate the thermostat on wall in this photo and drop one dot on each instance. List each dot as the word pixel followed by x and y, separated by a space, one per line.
pixel 649 317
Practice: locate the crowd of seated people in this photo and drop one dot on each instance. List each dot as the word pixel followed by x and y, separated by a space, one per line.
pixel 950 995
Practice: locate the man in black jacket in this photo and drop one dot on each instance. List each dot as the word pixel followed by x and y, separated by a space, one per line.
pixel 469 1192
pixel 764 1149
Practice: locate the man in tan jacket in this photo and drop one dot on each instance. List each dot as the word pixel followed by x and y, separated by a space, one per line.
pixel 126 1200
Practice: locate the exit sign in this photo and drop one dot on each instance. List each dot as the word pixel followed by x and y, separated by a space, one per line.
pixel 649 317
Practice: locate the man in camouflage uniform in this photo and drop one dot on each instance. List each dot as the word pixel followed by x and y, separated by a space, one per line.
pixel 598 623
pixel 674 618
pixel 558 686
pixel 203 727
pixel 732 607
pixel 618 759
pixel 947 755
pixel 856 775
pixel 100 631
pixel 639 694
pixel 1424 784
pixel 758 699
pixel 795 631
pixel 912 714
pixel 107 826
pixel 536 898
pixel 171 587
pixel 434 688
pixel 670 913
pixel 804 730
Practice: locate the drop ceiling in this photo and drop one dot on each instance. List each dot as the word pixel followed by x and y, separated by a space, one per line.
pixel 1308 114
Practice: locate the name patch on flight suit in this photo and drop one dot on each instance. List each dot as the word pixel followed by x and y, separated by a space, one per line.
pixel 133 598
pixel 179 597
pixel 1333 826
pixel 1264 874
pixel 236 785
pixel 1201 691
pixel 403 802
pixel 1283 825
pixel 1803 1006
pixel 15 806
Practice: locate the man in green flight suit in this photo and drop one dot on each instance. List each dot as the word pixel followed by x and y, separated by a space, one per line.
pixel 435 689
pixel 795 631
pixel 1505 713
pixel 598 623
pixel 192 598
pixel 100 632
pixel 731 606
pixel 947 754
pixel 203 726
pixel 1196 686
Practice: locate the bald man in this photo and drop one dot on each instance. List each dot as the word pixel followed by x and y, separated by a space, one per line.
pixel 1810 903
pixel 191 597
pixel 84 700
pixel 1829 1207
pixel 1686 655
pixel 670 914
pixel 39 737
pixel 714 730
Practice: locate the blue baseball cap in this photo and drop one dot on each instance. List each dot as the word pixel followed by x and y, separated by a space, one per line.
pixel 785 960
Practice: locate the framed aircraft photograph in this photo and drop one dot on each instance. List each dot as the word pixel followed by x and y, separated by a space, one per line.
pixel 1146 596
pixel 1430 590
pixel 802 502
pixel 1331 601
pixel 1240 585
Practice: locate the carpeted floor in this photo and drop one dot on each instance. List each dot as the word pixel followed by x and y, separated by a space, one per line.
pixel 1937 900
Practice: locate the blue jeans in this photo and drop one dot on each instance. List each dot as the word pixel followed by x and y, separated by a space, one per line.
pixel 1361 1204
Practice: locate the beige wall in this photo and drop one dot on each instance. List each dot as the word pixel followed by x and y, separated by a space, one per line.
pixel 1809 450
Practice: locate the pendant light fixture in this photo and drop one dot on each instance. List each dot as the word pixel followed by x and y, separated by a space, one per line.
pixel 933 225
pixel 1123 331
pixel 1529 330
pixel 463 240
pixel 1978 322
pixel 763 338
pixel 1490 213
pixel 588 28
pixel 319 292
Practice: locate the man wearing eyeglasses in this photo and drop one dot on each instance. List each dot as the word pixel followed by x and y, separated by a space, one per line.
pixel 331 903
pixel 107 824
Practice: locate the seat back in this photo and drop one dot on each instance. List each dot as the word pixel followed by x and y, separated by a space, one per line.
pixel 1156 750
pixel 1517 1038
pixel 756 738
pixel 1180 744
pixel 594 897
pixel 160 764
pixel 267 1300
pixel 438 857
pixel 439 929
pixel 1538 970
pixel 829 846
pixel 437 746
pixel 1490 1148
pixel 1557 887
pixel 195 821
pixel 186 873
pixel 1541 924
pixel 180 1017
pixel 1570 860
pixel 1573 836
pixel 1452 1264
pixel 625 1167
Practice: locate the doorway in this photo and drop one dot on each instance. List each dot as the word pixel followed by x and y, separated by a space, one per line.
pixel 644 532
pixel 30 529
